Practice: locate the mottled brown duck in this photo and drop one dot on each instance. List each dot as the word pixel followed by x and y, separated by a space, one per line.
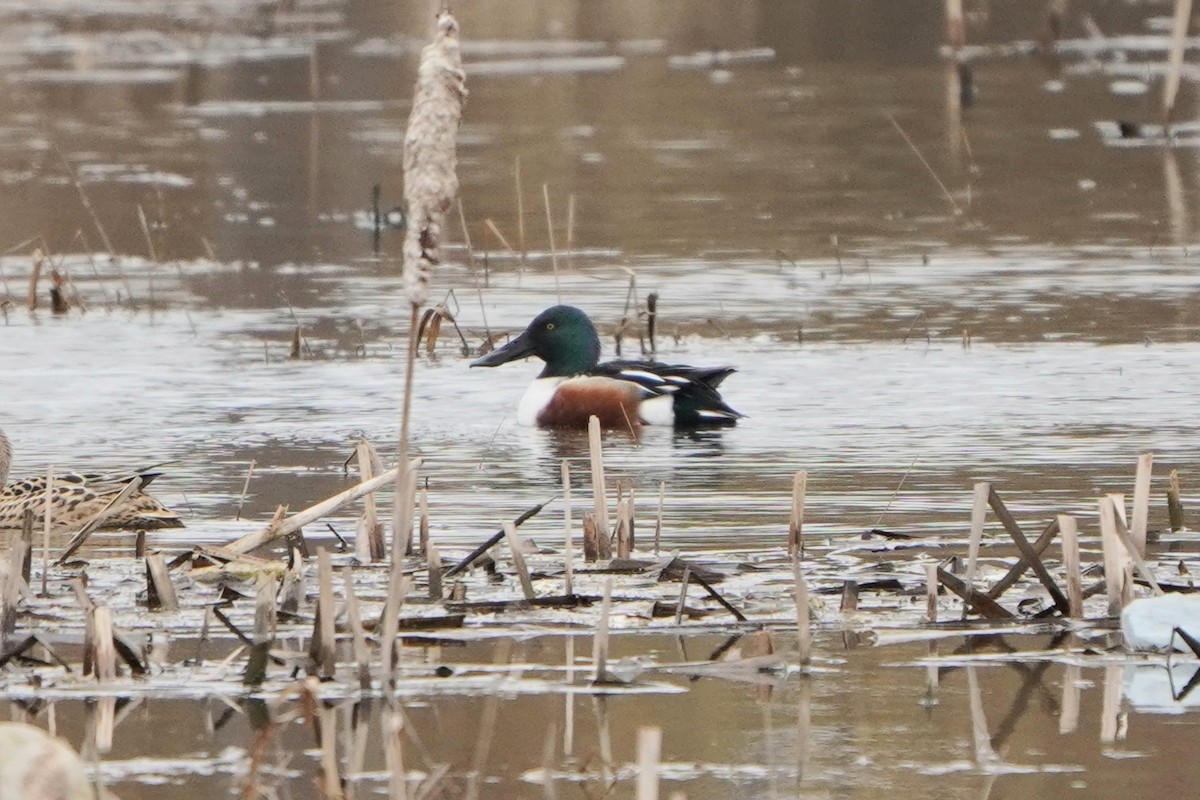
pixel 76 498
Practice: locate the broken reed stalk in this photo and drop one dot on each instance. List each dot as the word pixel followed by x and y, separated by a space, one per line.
pixel 550 231
pixel 568 549
pixel 796 525
pixel 979 506
pixel 264 609
pixel 104 653
pixel 681 606
pixel 362 653
pixel 931 593
pixel 1139 563
pixel 279 529
pixel 979 601
pixel 1070 550
pixel 1017 570
pixel 1141 502
pixel 323 650
pixel 1179 31
pixel 849 597
pixel 26 566
pixel 160 592
pixel 514 546
pixel 1174 503
pixel 591 538
pixel 600 642
pixel 433 563
pixel 624 529
pixel 1028 555
pixel 397 591
pixel 366 548
pixel 46 520
pixel 430 185
pixel 599 491
pixel 803 628
pixel 649 750
pixel 1115 558
pixel 423 524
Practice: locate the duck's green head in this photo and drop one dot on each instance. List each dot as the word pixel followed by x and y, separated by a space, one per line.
pixel 562 336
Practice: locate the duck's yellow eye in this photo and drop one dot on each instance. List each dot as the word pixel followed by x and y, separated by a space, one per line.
pixel 549 326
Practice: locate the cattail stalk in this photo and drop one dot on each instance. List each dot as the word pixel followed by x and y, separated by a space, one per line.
pixel 430 186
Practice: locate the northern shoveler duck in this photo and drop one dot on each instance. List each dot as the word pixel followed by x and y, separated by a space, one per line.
pixel 574 386
pixel 75 499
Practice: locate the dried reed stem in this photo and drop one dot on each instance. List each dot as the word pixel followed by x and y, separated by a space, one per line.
pixel 1070 550
pixel 1179 30
pixel 624 529
pixel 912 146
pixel 159 585
pixel 362 654
pixel 568 545
pixel 279 529
pixel 599 492
pixel 931 593
pixel 245 490
pixel 466 232
pixel 550 231
pixel 662 489
pixel 46 529
pixel 796 524
pixel 600 642
pixel 979 507
pixel 520 208
pixel 1174 502
pixel 681 605
pixel 430 185
pixel 397 591
pixel 491 226
pixel 1115 557
pixel 518 557
pixel 803 626
pixel 104 652
pixel 1141 502
pixel 323 651
pixel 1139 563
pixel 87 206
pixel 100 517
pixel 571 229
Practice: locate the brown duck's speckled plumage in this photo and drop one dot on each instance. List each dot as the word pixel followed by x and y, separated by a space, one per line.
pixel 75 499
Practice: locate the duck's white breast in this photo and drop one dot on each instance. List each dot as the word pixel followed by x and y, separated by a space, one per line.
pixel 537 397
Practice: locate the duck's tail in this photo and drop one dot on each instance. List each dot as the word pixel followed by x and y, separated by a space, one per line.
pixel 699 404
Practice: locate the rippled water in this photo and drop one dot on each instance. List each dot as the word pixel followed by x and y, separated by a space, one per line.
pixel 1028 317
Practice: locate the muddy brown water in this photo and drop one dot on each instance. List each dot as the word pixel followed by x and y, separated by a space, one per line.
pixel 1037 328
